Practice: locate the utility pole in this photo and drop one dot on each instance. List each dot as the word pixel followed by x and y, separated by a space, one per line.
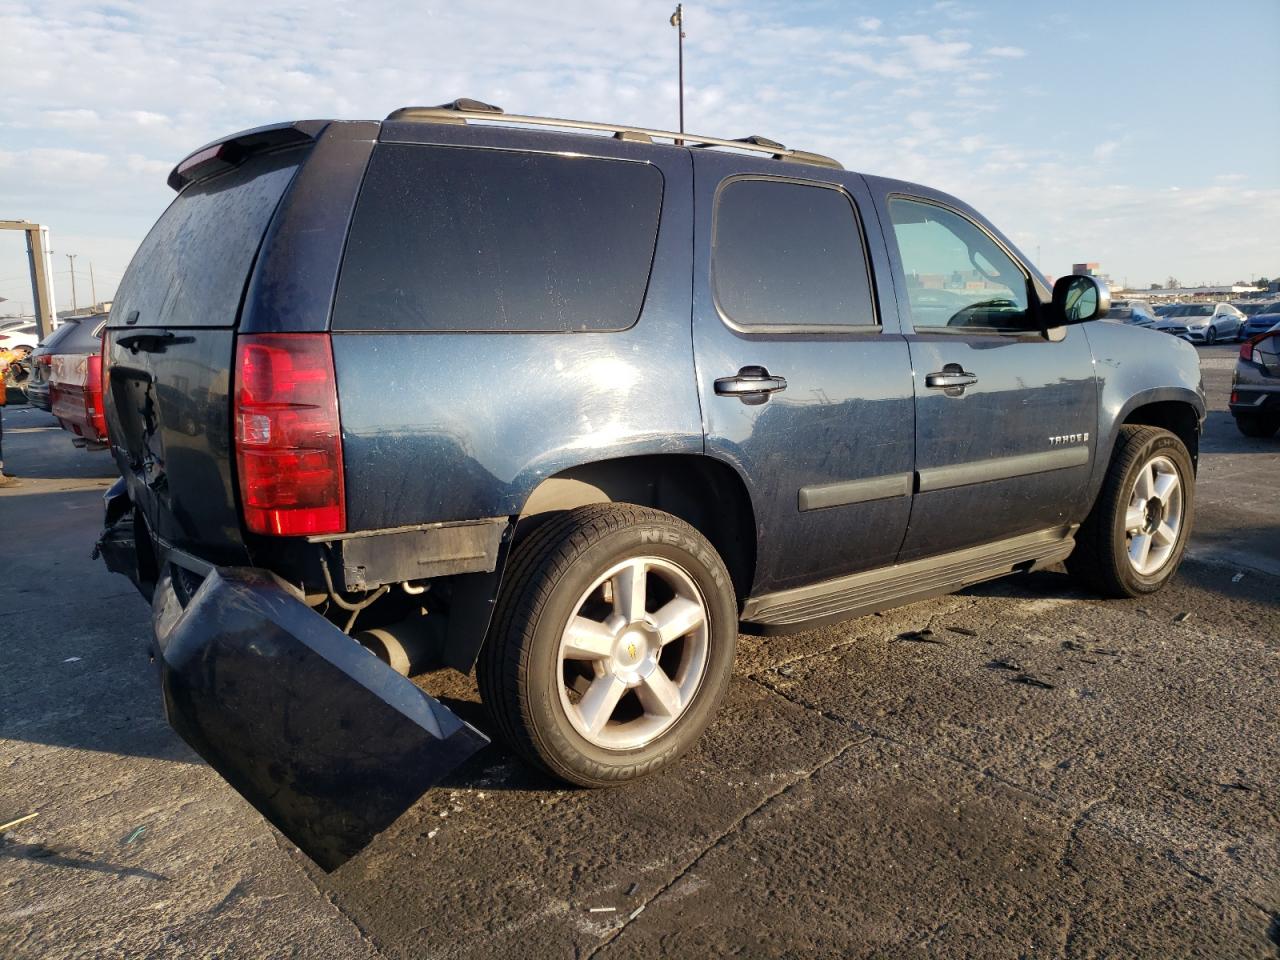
pixel 93 287
pixel 677 21
pixel 71 258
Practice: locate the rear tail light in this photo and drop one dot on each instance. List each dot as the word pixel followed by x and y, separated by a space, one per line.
pixel 94 415
pixel 1246 348
pixel 287 435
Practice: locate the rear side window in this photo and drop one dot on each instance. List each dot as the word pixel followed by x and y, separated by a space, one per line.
pixel 191 269
pixel 457 239
pixel 789 255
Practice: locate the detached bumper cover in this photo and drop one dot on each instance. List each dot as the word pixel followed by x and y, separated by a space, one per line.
pixel 325 740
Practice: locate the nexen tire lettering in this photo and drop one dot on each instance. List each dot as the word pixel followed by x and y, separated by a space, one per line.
pixel 693 548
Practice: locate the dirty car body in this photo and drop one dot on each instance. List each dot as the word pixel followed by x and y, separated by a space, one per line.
pixel 348 377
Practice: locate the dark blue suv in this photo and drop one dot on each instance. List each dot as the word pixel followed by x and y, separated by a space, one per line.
pixel 571 403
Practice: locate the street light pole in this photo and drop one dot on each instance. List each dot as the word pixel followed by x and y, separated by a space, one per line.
pixel 677 21
pixel 71 257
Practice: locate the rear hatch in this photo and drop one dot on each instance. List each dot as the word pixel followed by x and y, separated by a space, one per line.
pixel 72 374
pixel 170 354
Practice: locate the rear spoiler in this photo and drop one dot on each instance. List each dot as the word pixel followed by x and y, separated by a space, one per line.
pixel 222 155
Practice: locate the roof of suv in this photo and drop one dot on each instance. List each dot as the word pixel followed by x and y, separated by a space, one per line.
pixel 226 152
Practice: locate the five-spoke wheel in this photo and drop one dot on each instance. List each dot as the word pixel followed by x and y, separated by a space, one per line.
pixel 632 656
pixel 1154 516
pixel 1132 541
pixel 612 643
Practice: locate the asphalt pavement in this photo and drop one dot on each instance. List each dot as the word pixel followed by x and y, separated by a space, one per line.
pixel 1021 769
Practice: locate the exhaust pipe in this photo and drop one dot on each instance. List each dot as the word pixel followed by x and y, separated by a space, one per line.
pixel 406 647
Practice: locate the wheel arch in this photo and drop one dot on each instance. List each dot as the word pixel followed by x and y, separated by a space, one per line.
pixel 704 492
pixel 1180 417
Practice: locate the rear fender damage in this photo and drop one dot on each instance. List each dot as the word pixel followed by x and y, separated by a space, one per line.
pixel 325 740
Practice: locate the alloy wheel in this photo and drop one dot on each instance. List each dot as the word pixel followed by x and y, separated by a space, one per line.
pixel 1153 518
pixel 633 654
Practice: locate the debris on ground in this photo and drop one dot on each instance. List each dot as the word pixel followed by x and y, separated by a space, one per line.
pixel 1238 577
pixel 71 660
pixel 1031 681
pixel 603 910
pixel 1005 665
pixel 134 834
pixel 920 636
pixel 963 631
pixel 631 890
pixel 13 823
pixel 1183 617
pixel 636 912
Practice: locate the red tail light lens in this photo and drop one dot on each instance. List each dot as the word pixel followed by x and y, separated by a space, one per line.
pixel 1246 348
pixel 94 414
pixel 287 435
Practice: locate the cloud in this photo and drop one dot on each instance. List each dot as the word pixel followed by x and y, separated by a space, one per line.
pixel 926 53
pixel 71 119
pixel 1103 151
pixel 103 101
pixel 145 118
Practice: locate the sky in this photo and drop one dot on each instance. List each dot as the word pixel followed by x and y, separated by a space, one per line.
pixel 1142 135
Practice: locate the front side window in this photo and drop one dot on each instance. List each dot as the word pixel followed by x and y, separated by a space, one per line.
pixel 957 276
pixel 459 239
pixel 789 255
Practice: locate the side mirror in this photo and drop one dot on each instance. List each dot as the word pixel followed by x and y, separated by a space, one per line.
pixel 1077 299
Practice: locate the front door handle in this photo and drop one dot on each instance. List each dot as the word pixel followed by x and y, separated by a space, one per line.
pixel 751 385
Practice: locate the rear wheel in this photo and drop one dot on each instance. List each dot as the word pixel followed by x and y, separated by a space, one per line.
pixel 1133 540
pixel 1258 425
pixel 612 643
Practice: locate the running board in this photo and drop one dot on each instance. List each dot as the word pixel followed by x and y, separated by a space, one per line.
pixel 856 595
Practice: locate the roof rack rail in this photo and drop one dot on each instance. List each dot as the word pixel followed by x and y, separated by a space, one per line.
pixel 463 110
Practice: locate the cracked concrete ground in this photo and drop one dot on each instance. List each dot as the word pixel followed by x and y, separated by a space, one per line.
pixel 1018 770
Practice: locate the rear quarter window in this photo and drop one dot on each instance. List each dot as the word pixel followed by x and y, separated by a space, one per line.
pixel 461 239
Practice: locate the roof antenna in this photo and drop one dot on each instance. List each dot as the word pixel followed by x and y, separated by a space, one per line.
pixel 677 21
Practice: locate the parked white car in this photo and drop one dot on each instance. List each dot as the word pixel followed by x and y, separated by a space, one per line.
pixel 1202 322
pixel 21 337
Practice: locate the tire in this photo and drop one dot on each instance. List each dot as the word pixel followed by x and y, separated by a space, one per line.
pixel 1102 556
pixel 535 685
pixel 1258 426
pixel 1211 336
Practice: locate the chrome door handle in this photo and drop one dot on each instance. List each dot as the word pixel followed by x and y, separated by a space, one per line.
pixel 751 385
pixel 949 379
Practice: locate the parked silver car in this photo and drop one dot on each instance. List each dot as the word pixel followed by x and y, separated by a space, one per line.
pixel 1202 322
pixel 1255 387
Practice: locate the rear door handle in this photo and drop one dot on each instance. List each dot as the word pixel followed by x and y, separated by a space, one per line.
pixel 952 378
pixel 751 385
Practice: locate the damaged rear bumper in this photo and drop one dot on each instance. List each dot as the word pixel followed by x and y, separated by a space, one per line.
pixel 325 740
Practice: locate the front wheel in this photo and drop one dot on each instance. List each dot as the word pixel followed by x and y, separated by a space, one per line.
pixel 1133 540
pixel 612 643
pixel 1211 336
